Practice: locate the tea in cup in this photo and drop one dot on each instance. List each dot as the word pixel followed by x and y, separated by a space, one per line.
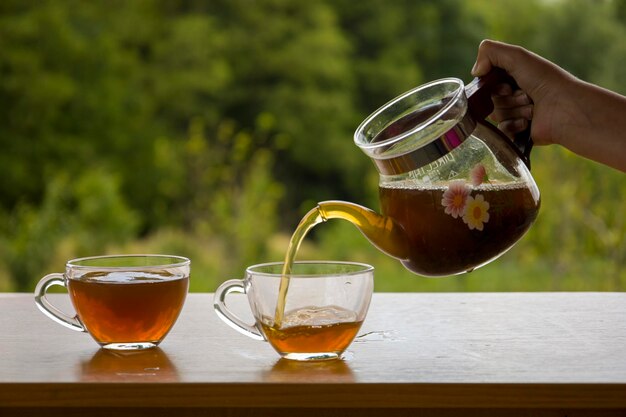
pixel 123 301
pixel 323 308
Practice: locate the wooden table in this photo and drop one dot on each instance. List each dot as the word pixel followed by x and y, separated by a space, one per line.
pixel 474 354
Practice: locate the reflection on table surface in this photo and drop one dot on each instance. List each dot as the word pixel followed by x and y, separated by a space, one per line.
pixel 285 370
pixel 129 366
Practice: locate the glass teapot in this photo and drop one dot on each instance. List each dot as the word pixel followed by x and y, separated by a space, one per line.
pixel 455 192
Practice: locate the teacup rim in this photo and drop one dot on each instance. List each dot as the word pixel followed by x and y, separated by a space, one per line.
pixel 75 263
pixel 365 268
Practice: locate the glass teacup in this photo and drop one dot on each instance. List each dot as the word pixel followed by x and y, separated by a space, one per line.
pixel 324 309
pixel 122 301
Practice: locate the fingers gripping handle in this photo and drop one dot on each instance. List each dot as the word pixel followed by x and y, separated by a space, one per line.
pixel 219 304
pixel 479 92
pixel 480 105
pixel 51 311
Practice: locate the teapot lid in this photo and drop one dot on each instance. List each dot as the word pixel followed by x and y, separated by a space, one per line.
pixel 416 128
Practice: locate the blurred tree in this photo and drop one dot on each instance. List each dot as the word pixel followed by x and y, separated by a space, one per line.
pixel 291 60
pixel 510 20
pixel 88 209
pixel 64 96
pixel 577 34
pixel 227 191
pixel 230 118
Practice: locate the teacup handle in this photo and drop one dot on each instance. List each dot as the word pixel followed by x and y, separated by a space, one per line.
pixel 219 304
pixel 51 311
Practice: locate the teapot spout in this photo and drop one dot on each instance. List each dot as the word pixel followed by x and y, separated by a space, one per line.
pixel 383 232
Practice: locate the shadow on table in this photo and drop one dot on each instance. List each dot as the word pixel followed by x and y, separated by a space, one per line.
pixel 129 366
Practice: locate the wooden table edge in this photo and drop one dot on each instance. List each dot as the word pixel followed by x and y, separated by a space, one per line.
pixel 313 395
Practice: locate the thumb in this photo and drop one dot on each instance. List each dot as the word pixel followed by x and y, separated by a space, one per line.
pixel 490 54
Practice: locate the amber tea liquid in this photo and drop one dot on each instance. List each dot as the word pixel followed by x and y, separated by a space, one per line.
pixel 443 245
pixel 313 329
pixel 125 307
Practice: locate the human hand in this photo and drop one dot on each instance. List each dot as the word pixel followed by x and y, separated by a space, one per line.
pixel 585 118
pixel 541 83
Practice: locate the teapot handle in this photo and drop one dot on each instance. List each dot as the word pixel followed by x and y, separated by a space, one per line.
pixel 480 106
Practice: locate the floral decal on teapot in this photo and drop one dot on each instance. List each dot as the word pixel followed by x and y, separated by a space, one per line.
pixel 476 212
pixel 478 175
pixel 457 201
pixel 455 198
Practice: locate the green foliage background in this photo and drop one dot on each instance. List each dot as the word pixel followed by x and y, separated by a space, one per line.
pixel 207 129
